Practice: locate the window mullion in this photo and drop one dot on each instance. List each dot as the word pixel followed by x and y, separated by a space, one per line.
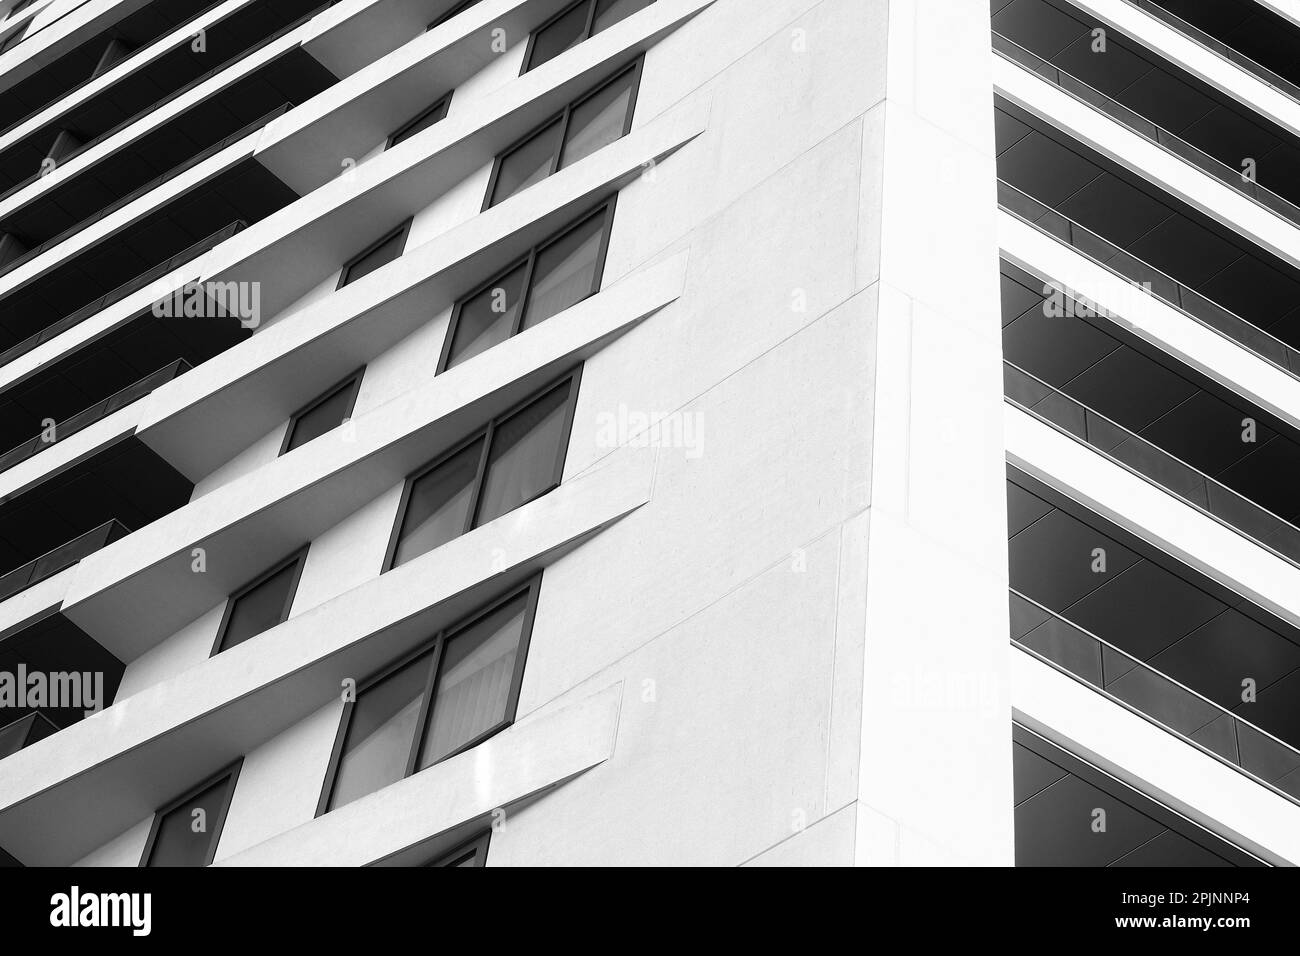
pixel 479 478
pixel 425 706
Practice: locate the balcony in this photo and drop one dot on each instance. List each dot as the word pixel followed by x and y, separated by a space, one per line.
pixel 1171 143
pixel 1256 36
pixel 96 412
pixel 151 86
pixel 1116 260
pixel 1158 698
pixel 60 558
pixel 1134 453
pixel 140 281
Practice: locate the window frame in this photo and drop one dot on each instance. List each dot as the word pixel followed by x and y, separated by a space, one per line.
pixel 565 116
pixel 477 844
pixel 395 137
pixel 435 644
pixel 403 230
pixel 300 557
pixel 529 261
pixel 231 770
pixel 532 37
pixel 486 433
pixel 352 381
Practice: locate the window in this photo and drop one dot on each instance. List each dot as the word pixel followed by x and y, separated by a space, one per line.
pixel 471 853
pixel 261 604
pixel 552 277
pixel 186 831
pixel 519 457
pixel 376 256
pixel 455 11
pixel 584 19
pixel 323 414
pixel 596 120
pixel 448 696
pixel 435 113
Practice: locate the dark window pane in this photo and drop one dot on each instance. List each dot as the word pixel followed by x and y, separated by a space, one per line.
pixel 565 272
pixel 487 319
pixel 524 457
pixel 472 692
pixel 598 120
pixel 177 842
pixel 565 32
pixel 260 608
pixel 380 256
pixel 321 417
pixel 527 163
pixel 609 12
pixel 438 507
pixel 453 12
pixel 13 737
pixel 381 733
pixel 423 122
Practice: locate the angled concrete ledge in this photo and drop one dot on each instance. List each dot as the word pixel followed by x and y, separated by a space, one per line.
pixel 132 594
pixel 1147 758
pixel 115 768
pixel 312 237
pixel 521 762
pixel 306 147
pixel 1153 514
pixel 246 390
pixel 51 41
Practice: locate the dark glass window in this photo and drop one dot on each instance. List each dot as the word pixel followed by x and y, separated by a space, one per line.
pixel 518 457
pixel 455 11
pixel 571 26
pixel 323 414
pixel 261 604
pixel 597 119
pixel 186 831
pixel 377 256
pixel 435 113
pixel 554 276
pixel 472 853
pixel 454 693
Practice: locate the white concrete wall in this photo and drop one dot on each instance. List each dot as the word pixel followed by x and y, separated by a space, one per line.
pixel 804 523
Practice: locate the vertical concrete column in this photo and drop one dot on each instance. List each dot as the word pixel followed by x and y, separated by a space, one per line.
pixel 934 778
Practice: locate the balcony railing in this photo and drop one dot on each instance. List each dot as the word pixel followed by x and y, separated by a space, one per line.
pixel 153 184
pixel 1164 287
pixel 1176 145
pixel 61 558
pixel 1158 698
pixel 172 95
pixel 192 251
pixel 1199 36
pixel 24 732
pixel 101 409
pixel 1148 461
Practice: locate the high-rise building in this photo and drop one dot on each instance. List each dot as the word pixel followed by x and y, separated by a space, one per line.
pixel 558 432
